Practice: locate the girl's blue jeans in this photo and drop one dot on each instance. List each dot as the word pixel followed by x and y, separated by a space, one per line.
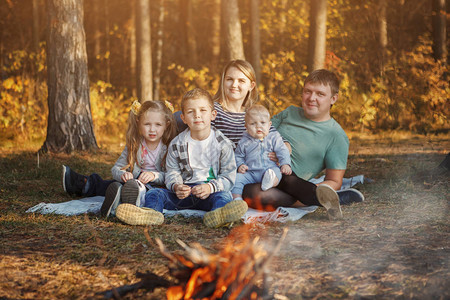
pixel 159 199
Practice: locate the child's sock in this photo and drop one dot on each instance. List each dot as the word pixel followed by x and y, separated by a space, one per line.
pixel 269 180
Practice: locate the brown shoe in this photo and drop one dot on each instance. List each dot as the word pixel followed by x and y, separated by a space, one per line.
pixel 231 212
pixel 133 215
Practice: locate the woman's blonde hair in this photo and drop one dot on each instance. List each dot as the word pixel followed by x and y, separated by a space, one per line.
pixel 134 137
pixel 246 68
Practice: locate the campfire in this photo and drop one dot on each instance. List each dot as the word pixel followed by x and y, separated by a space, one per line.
pixel 230 274
pixel 238 271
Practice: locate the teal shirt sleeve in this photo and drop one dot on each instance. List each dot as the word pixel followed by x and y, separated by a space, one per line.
pixel 337 154
pixel 278 118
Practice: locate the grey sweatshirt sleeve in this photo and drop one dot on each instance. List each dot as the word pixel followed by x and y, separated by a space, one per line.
pixel 116 170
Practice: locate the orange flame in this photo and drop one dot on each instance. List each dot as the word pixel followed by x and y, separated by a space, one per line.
pixel 228 274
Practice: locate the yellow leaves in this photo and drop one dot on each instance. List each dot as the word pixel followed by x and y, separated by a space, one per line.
pixel 278 76
pixel 109 109
pixel 376 96
pixel 14 84
pixel 8 83
pixel 103 56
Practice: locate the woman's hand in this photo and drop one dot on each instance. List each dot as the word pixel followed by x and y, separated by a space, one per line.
pixel 126 176
pixel 182 190
pixel 146 177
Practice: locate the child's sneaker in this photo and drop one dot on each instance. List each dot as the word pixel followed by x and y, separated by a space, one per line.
pixel 231 212
pixel 132 192
pixel 329 199
pixel 112 198
pixel 349 196
pixel 73 183
pixel 269 180
pixel 133 215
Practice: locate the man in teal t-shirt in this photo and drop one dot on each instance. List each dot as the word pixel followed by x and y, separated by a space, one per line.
pixel 318 143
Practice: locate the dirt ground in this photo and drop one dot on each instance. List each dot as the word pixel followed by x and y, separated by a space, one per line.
pixel 394 245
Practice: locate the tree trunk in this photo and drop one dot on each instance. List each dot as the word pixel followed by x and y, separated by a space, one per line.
pixel 36 27
pixel 439 31
pixel 133 47
pixel 232 29
pixel 144 51
pixel 189 32
pixel 70 125
pixel 317 34
pixel 96 29
pixel 256 38
pixel 283 22
pixel 159 51
pixel 383 37
pixel 108 42
pixel 215 38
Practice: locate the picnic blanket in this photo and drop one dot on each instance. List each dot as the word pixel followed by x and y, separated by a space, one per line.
pixel 281 214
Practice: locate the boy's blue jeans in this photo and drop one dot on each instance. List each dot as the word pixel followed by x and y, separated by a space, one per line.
pixel 159 199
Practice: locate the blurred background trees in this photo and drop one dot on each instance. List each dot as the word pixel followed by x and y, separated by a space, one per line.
pixel 390 55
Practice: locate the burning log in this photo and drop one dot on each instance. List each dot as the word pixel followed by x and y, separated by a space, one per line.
pixel 230 274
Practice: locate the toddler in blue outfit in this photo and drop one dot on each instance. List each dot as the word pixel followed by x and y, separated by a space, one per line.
pixel 252 152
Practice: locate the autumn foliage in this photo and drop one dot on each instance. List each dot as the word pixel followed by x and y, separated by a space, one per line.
pixel 401 88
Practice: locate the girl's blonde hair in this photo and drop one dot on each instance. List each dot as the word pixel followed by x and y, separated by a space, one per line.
pixel 246 68
pixel 134 137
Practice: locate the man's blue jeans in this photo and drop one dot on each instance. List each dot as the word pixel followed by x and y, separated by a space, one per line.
pixel 159 199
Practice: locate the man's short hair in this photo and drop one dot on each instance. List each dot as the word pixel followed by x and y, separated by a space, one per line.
pixel 324 77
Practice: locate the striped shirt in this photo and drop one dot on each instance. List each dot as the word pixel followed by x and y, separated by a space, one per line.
pixel 232 124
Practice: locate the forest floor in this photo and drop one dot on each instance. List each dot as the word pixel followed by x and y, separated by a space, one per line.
pixel 394 245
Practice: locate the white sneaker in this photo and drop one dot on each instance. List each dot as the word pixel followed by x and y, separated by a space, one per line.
pixel 329 199
pixel 269 180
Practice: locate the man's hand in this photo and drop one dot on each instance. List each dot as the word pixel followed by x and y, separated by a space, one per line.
pixel 242 169
pixel 201 191
pixel 273 156
pixel 146 177
pixel 126 176
pixel 182 190
pixel 286 170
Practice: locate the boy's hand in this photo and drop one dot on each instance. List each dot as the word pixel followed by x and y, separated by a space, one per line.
pixel 126 176
pixel 182 190
pixel 286 170
pixel 146 177
pixel 201 191
pixel 242 169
